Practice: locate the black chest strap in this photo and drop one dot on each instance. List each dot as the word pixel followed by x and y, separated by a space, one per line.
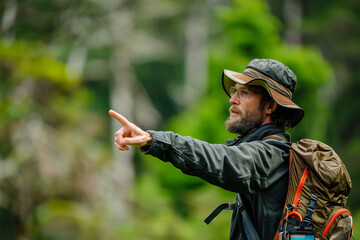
pixel 248 226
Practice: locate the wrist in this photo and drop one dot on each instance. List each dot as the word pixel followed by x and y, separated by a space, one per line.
pixel 147 143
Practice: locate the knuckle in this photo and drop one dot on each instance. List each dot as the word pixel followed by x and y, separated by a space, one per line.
pixel 118 133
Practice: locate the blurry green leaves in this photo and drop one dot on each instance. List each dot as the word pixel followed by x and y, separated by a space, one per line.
pixel 250 31
pixel 51 144
pixel 60 107
pixel 247 27
pixel 54 148
pixel 204 120
pixel 60 219
pixel 314 77
pixel 308 64
pixel 158 216
pixel 31 60
pixel 30 79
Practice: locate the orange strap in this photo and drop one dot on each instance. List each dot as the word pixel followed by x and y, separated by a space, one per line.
pixel 296 214
pixel 299 189
pixel 275 136
pixel 333 219
pixel 277 235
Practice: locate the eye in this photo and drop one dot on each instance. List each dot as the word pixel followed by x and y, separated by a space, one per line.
pixel 243 93
pixel 232 91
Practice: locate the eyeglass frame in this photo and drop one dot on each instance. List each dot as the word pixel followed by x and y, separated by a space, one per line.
pixel 234 91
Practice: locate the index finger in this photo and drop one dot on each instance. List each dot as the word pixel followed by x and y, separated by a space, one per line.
pixel 119 117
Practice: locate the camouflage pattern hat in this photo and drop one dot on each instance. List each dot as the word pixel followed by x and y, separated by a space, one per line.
pixel 275 77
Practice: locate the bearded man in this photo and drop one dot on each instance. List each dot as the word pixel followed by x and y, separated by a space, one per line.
pixel 261 106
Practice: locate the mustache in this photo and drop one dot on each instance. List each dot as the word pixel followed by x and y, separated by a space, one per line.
pixel 234 109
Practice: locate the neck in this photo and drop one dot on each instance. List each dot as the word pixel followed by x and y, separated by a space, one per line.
pixel 267 120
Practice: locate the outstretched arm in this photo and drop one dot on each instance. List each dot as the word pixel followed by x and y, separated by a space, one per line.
pixel 129 134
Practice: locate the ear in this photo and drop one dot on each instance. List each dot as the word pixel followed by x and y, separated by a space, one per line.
pixel 271 108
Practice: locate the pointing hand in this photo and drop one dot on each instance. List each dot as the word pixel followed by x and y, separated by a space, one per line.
pixel 129 134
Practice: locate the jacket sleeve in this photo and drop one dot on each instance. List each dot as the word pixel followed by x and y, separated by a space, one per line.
pixel 245 168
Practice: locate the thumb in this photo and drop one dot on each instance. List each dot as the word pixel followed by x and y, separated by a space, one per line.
pixel 121 119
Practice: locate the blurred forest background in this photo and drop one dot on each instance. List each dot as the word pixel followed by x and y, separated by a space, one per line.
pixel 65 63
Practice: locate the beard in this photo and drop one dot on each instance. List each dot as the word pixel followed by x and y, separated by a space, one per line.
pixel 246 124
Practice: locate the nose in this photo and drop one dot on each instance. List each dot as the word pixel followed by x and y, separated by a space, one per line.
pixel 234 100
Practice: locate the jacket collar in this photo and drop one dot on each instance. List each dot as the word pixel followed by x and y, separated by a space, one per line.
pixel 259 133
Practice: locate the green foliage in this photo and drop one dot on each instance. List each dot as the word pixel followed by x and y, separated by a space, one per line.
pixel 50 148
pixel 332 28
pixel 233 50
pixel 246 23
pixel 313 74
pixel 31 60
pixel 53 129
pixel 159 217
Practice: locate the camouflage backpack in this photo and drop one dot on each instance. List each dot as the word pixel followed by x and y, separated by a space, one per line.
pixel 319 185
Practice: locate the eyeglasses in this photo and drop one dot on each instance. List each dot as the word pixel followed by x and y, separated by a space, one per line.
pixel 242 93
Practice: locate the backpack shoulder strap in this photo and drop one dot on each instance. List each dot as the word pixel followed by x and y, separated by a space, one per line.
pixel 274 136
pixel 278 141
pixel 248 226
pixel 281 143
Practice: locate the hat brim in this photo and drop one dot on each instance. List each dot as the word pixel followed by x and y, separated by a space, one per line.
pixel 230 78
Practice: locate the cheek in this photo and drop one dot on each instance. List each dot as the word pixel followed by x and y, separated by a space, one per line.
pixel 253 103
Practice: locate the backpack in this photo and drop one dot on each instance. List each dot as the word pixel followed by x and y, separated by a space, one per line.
pixel 319 185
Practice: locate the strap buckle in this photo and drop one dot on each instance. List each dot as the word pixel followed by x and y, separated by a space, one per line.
pixel 220 208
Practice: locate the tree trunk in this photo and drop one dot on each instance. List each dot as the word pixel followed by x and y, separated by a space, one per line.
pixel 118 181
pixel 292 21
pixel 196 33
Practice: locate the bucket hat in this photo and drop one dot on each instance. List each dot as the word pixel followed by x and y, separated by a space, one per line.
pixel 275 77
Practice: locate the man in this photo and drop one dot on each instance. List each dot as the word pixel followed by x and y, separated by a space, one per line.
pixel 261 106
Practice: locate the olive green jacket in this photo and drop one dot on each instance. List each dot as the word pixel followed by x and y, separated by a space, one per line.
pixel 253 168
